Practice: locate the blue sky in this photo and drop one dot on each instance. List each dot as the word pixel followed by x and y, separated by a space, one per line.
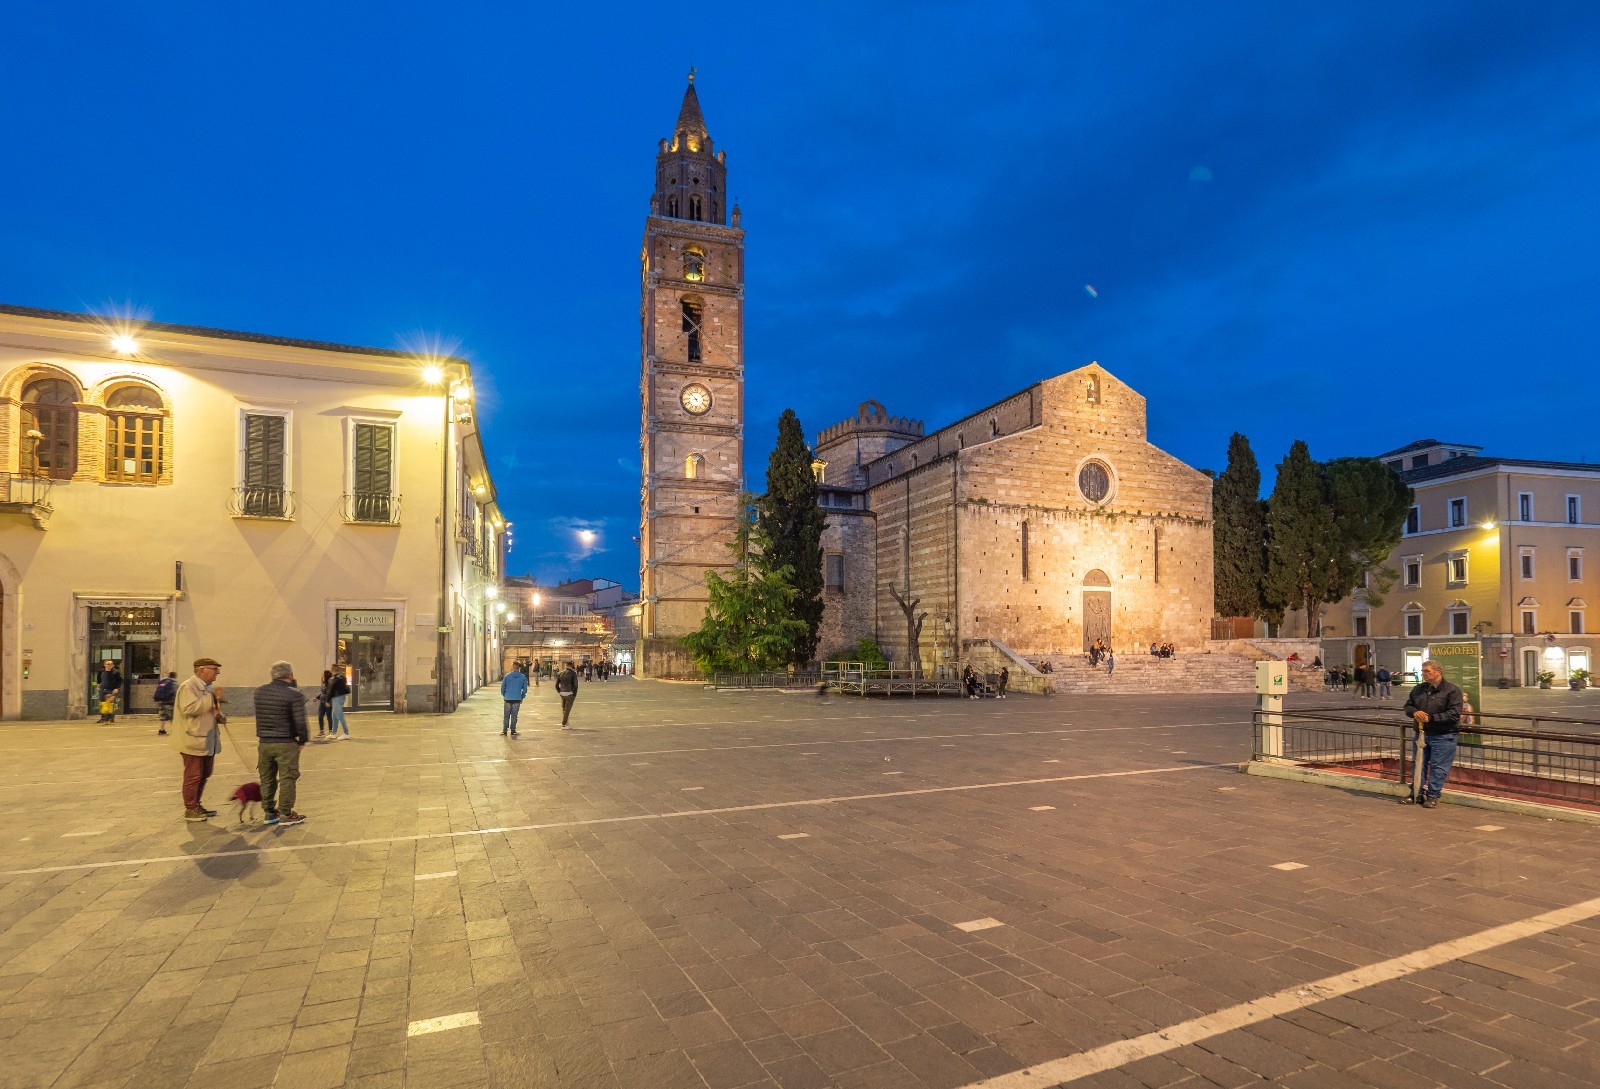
pixel 1357 224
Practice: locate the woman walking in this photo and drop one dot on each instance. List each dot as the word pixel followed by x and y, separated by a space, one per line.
pixel 338 692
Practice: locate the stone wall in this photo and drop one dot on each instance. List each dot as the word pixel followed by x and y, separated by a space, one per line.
pixel 849 613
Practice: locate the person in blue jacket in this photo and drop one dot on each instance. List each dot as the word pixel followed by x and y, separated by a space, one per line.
pixel 513 689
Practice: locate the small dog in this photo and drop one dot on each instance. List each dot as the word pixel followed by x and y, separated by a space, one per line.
pixel 249 797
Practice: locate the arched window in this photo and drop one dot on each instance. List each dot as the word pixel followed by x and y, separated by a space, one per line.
pixel 694 266
pixel 672 207
pixel 693 317
pixel 136 425
pixel 693 466
pixel 694 207
pixel 49 407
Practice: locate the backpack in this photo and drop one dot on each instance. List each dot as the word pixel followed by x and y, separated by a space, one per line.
pixel 166 691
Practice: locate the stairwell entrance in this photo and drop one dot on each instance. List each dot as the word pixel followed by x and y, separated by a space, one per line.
pixel 1096 608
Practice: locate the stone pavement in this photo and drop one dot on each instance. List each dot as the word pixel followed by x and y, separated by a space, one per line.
pixel 757 889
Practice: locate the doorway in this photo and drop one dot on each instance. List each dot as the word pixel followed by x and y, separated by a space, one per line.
pixel 1530 667
pixel 1363 655
pixel 366 652
pixel 129 638
pixel 1096 609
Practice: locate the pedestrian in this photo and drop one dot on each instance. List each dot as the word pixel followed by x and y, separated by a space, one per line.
pixel 107 687
pixel 1111 662
pixel 338 692
pixel 324 705
pixel 196 715
pixel 1435 706
pixel 567 689
pixel 166 691
pixel 1005 679
pixel 1361 682
pixel 513 689
pixel 280 734
pixel 1384 678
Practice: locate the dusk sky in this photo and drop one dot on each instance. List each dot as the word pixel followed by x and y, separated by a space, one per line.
pixel 1357 224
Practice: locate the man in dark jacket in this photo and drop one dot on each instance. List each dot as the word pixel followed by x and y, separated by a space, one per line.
pixel 1435 706
pixel 280 733
pixel 108 686
pixel 567 689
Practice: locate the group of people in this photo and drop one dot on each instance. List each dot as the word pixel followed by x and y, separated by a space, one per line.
pixel 1163 650
pixel 514 689
pixel 1100 652
pixel 1370 681
pixel 281 733
pixel 974 684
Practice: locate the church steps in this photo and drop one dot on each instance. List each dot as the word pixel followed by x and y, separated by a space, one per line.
pixel 1142 672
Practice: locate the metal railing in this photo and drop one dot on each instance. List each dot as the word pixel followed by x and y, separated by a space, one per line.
pixel 1513 756
pixel 25 490
pixel 771 679
pixel 372 508
pixel 261 501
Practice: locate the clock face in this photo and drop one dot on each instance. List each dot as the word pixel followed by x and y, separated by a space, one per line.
pixel 696 400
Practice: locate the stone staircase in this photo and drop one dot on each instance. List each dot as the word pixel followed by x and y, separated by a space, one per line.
pixel 1139 672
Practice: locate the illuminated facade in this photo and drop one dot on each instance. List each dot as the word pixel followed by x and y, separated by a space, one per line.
pixel 1497 549
pixel 245 497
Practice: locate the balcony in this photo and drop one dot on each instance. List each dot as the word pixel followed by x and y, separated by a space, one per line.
pixel 259 501
pixel 372 509
pixel 27 493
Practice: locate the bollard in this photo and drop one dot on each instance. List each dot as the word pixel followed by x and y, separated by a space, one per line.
pixel 1272 681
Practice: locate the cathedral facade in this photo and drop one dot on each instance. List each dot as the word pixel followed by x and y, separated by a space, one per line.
pixel 1045 521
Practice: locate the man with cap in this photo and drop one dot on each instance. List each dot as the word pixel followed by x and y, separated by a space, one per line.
pixel 196 715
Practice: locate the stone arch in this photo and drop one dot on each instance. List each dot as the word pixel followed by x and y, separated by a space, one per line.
pixel 12 426
pixel 1097 578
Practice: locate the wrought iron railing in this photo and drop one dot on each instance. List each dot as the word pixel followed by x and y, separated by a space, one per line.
pixel 25 490
pixel 372 508
pixel 770 679
pixel 1500 755
pixel 260 501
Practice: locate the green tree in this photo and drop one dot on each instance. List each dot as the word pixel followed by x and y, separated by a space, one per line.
pixel 789 531
pixel 749 624
pixel 1239 533
pixel 1301 542
pixel 1369 503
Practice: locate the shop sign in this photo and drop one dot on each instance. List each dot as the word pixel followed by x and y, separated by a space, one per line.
pixel 125 625
pixel 366 620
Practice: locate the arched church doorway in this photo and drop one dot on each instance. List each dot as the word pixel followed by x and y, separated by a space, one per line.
pixel 1096 608
pixel 1363 655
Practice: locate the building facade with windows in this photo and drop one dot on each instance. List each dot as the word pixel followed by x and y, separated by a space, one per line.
pixel 1497 549
pixel 171 492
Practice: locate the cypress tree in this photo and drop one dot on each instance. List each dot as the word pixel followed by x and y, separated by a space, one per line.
pixel 1302 544
pixel 1239 533
pixel 790 529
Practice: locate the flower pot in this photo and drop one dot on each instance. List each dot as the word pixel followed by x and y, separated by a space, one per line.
pixel 1544 684
pixel 1577 685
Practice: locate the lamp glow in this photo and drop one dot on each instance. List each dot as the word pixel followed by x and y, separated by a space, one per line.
pixel 491 592
pixel 432 374
pixel 123 344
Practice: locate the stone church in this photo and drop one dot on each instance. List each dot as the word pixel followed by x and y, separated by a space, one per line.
pixel 1041 523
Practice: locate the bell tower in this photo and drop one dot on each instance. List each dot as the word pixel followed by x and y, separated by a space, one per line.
pixel 691 389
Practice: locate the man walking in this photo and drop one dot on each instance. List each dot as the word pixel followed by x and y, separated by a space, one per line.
pixel 513 689
pixel 280 733
pixel 196 714
pixel 1384 677
pixel 1435 706
pixel 567 689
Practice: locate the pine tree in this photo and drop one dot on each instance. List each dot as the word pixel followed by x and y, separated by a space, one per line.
pixel 749 624
pixel 1239 533
pixel 1302 544
pixel 790 529
pixel 1369 503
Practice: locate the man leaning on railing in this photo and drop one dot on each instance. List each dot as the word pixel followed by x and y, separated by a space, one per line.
pixel 1435 706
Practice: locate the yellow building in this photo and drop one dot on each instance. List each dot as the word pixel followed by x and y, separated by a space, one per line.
pixel 170 492
pixel 1493 548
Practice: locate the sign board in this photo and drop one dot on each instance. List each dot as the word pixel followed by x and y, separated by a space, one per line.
pixel 366 620
pixel 1272 678
pixel 125 625
pixel 1463 667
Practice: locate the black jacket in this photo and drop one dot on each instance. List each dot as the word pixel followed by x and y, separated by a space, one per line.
pixel 281 714
pixel 567 681
pixel 1443 704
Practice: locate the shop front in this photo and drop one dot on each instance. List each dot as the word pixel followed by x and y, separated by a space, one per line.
pixel 366 653
pixel 129 637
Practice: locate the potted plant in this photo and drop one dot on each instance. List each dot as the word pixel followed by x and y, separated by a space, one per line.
pixel 1578 679
pixel 1545 677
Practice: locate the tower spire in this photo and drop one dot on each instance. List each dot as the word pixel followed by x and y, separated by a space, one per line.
pixel 690 132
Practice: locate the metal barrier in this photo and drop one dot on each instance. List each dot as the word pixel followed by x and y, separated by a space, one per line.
pixel 771 679
pixel 1515 757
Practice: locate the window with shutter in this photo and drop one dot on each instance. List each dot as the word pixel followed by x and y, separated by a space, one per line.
pixel 262 486
pixel 374 460
pixel 49 406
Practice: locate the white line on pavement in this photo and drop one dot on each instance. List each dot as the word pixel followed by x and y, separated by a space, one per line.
pixel 1111 1056
pixel 594 821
